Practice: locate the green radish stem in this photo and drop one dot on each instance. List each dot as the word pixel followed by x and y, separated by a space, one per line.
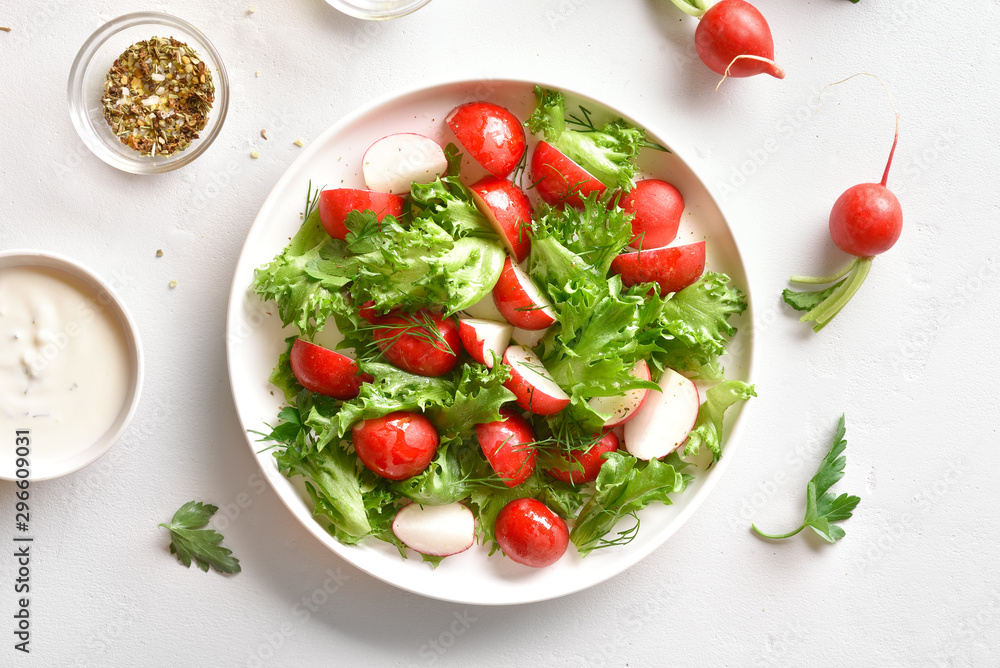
pixel 693 8
pixel 824 312
pixel 816 280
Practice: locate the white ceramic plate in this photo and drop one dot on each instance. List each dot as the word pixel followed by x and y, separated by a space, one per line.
pixel 255 339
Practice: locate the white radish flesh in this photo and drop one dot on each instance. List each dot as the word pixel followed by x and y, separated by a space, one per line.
pixel 492 338
pixel 395 162
pixel 624 407
pixel 439 531
pixel 665 420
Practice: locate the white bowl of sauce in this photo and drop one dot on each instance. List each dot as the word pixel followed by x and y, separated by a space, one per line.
pixel 70 364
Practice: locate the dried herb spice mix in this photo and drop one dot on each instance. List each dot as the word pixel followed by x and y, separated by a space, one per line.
pixel 157 96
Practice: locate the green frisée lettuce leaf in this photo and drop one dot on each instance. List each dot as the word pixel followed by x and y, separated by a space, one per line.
pixel 708 428
pixel 624 486
pixel 297 282
pixel 418 266
pixel 694 327
pixel 391 390
pixel 449 203
pixel 478 395
pixel 592 352
pixel 607 152
pixel 334 485
pixel 595 234
pixel 445 480
pixel 282 377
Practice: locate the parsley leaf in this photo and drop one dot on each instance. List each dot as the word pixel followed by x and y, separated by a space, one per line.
pixel 189 540
pixel 822 507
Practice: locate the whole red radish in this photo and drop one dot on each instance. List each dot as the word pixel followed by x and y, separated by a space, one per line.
pixel 509 447
pixel 335 204
pixel 492 135
pixel 583 465
pixel 423 343
pixel 866 221
pixel 732 38
pixel 531 534
pixel 396 446
pixel 656 207
pixel 324 371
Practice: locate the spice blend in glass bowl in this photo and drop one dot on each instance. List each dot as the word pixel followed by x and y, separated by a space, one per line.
pixel 157 96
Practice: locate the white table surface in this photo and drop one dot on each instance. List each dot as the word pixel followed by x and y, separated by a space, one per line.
pixel 911 361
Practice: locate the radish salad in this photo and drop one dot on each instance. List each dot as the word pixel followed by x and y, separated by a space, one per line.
pixel 519 353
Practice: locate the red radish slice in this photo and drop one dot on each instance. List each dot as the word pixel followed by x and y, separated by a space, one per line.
pixel 657 207
pixel 439 531
pixel 509 447
pixel 624 407
pixel 334 205
pixel 531 384
pixel 492 135
pixel 484 339
pixel 560 180
pixel 665 421
pixel 520 301
pixel 324 371
pixel 509 210
pixel 673 268
pixel 395 162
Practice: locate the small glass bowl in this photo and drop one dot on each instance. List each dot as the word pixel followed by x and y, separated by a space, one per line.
pixel 377 10
pixel 86 88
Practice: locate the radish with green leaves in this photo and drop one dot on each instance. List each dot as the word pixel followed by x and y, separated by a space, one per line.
pixel 866 221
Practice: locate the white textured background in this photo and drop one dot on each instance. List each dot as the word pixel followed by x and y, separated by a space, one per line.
pixel 911 361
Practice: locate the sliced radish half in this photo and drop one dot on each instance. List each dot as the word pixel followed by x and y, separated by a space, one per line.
pixel 520 301
pixel 439 531
pixel 509 211
pixel 625 406
pixel 665 421
pixel 531 384
pixel 484 339
pixel 395 162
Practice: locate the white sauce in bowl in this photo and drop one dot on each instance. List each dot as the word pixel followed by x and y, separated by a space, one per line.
pixel 65 367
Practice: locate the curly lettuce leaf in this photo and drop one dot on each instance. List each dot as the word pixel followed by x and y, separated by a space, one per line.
pixel 708 429
pixel 624 486
pixel 418 266
pixel 282 377
pixel 449 203
pixel 693 328
pixel 479 394
pixel 595 234
pixel 335 487
pixel 391 390
pixel 300 280
pixel 446 479
pixel 607 152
